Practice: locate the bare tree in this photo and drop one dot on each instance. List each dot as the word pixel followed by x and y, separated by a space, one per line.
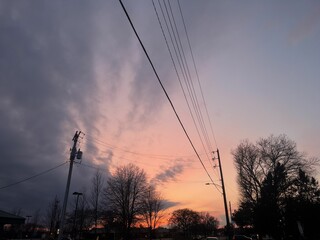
pixel 255 161
pixel 124 195
pixel 17 211
pixel 153 209
pixel 185 220
pixel 209 224
pixel 96 195
pixel 53 215
pixel 250 171
pixel 35 221
pixel 267 172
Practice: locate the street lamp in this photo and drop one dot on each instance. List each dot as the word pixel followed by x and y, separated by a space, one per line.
pixel 28 217
pixel 27 225
pixel 75 212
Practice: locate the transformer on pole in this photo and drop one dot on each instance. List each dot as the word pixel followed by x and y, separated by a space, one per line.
pixel 73 154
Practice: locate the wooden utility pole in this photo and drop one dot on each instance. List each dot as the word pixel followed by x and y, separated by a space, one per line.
pixel 73 155
pixel 224 199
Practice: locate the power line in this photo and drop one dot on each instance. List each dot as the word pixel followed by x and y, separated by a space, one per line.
pixel 189 81
pixel 90 166
pixel 181 64
pixel 164 90
pixel 188 78
pixel 157 156
pixel 196 70
pixel 168 158
pixel 34 176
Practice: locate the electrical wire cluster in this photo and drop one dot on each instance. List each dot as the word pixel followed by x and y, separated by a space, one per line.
pixel 178 57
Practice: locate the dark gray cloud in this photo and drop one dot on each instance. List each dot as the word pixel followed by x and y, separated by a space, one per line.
pixel 62 69
pixel 46 84
pixel 169 173
pixel 169 204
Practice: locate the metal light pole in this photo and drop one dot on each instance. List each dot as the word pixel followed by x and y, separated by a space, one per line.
pixel 75 213
pixel 27 225
pixel 28 217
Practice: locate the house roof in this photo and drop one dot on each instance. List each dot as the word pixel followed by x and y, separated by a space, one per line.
pixel 8 218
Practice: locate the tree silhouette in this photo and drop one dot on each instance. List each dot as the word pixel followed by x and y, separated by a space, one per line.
pixel 53 216
pixel 124 195
pixel 153 209
pixel 185 220
pixel 274 183
pixel 192 223
pixel 270 207
pixel 303 208
pixel 97 185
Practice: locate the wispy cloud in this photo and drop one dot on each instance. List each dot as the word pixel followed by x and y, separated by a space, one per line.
pixel 169 173
pixel 169 204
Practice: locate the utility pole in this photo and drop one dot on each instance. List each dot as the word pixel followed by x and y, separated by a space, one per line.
pixel 224 198
pixel 73 155
pixel 230 210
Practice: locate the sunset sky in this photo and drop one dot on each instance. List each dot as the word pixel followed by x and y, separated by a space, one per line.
pixel 77 65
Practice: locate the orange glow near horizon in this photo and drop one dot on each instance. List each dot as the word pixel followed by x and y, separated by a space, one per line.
pixel 187 188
